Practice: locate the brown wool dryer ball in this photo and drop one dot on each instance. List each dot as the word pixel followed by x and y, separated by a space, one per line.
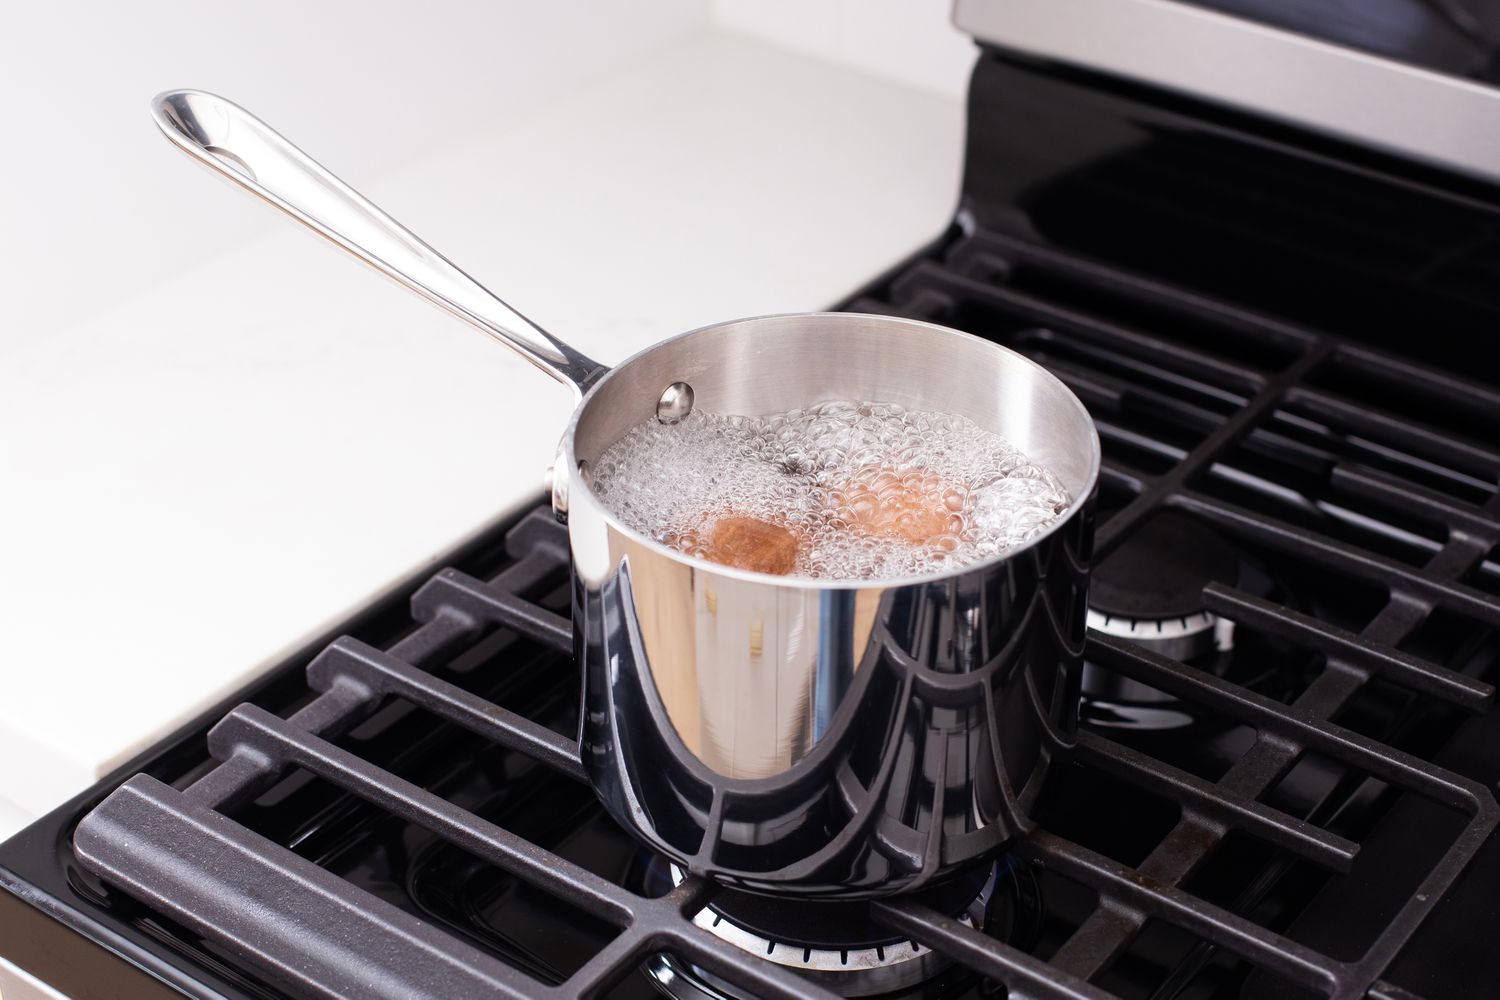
pixel 752 544
pixel 916 506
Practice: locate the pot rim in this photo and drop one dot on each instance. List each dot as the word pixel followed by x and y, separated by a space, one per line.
pixel 577 486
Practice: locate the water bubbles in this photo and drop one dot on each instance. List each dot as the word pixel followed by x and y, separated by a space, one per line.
pixel 871 490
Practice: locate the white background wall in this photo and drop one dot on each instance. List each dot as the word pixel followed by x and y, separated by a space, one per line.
pixel 93 204
pixel 92 207
pixel 912 41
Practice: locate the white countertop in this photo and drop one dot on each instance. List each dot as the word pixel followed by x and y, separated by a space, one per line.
pixel 203 476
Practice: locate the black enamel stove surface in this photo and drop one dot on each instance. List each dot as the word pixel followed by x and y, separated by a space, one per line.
pixel 400 810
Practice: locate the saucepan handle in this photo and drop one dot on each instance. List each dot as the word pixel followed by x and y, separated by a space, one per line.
pixel 226 137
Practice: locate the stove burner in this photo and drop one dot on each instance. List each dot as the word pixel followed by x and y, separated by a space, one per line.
pixel 1150 589
pixel 838 946
pixel 1150 592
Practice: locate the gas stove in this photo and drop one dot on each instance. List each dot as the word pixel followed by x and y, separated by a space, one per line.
pixel 1283 783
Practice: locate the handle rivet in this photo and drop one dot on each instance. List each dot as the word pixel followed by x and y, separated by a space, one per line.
pixel 675 404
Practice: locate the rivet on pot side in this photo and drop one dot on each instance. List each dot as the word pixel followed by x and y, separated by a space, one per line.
pixel 675 404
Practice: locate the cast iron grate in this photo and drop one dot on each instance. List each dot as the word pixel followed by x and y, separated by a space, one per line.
pixel 1224 383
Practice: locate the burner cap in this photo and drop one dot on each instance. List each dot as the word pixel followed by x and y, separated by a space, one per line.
pixel 1160 571
pixel 1150 589
pixel 834 943
pixel 834 924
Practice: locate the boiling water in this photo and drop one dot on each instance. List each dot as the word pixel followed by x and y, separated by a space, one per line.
pixel 869 490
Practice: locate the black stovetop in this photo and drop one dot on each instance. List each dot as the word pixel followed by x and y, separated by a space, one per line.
pixel 1273 336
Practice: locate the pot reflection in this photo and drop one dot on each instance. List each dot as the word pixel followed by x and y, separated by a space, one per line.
pixel 826 741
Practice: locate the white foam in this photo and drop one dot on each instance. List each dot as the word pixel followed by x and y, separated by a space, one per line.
pixel 828 471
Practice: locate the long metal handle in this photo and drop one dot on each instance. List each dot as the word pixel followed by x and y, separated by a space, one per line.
pixel 226 137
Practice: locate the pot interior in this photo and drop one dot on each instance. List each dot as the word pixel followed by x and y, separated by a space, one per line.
pixel 755 367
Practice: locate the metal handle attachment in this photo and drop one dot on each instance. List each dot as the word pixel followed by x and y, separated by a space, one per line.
pixel 226 137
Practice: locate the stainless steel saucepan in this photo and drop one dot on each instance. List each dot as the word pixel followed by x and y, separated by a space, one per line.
pixel 795 736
